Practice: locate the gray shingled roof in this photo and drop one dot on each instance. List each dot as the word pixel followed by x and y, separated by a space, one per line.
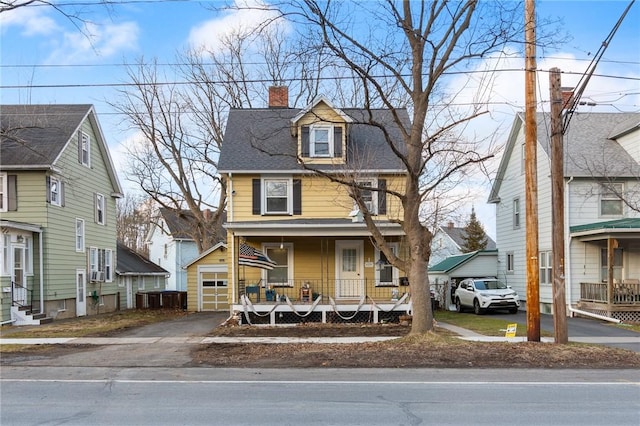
pixel 180 223
pixel 458 234
pixel 130 262
pixel 34 135
pixel 589 151
pixel 258 140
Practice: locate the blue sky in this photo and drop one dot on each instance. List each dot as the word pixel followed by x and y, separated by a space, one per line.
pixel 40 47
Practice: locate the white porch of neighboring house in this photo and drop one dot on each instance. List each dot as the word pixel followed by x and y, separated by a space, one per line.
pixel 22 273
pixel 605 263
pixel 328 271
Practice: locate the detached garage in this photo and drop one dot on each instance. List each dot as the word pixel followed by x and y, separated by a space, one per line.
pixel 453 269
pixel 207 282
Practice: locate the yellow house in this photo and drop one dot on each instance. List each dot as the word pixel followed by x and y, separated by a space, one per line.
pixel 292 177
pixel 207 282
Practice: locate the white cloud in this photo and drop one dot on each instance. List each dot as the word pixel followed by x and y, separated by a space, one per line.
pixel 249 16
pixel 31 21
pixel 98 40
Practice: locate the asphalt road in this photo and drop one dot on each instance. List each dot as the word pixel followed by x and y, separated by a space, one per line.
pixel 194 396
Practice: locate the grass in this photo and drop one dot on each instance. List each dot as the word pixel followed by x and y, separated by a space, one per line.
pixel 482 324
pixel 91 326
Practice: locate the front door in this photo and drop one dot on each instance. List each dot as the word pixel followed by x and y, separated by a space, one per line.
pixel 129 290
pixel 349 269
pixel 81 293
pixel 18 276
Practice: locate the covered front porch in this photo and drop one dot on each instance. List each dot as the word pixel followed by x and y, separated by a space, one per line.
pixel 610 285
pixel 325 271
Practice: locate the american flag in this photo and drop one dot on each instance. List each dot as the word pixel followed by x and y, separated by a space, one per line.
pixel 249 256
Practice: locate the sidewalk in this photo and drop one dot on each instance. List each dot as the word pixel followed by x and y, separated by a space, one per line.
pixel 462 332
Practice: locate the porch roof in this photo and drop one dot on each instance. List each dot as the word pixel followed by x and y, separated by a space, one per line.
pixel 22 226
pixel 628 226
pixel 310 227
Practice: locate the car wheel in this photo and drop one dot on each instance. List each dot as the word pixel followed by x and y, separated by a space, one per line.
pixel 513 311
pixel 476 307
pixel 458 305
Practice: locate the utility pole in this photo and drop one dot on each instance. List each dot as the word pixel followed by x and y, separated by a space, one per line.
pixel 531 177
pixel 557 207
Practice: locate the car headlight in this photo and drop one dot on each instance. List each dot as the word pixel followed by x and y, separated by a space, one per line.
pixel 484 294
pixel 513 293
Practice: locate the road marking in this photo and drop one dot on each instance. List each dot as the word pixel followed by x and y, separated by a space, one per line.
pixel 322 382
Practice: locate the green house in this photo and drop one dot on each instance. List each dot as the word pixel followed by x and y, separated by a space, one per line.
pixel 58 191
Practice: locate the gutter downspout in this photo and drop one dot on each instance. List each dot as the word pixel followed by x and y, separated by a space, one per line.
pixel 567 245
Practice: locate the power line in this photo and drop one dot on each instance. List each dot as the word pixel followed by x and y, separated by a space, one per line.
pixel 248 81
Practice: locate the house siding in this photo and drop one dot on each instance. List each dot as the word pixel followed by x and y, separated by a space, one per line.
pixel 320 198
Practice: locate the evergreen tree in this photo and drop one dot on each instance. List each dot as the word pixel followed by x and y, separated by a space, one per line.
pixel 475 238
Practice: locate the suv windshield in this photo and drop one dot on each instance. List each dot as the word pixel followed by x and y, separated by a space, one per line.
pixel 489 285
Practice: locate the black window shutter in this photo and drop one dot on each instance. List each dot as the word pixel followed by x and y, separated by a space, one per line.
pixel 12 196
pixel 297 196
pixel 337 141
pixel 256 196
pixel 382 196
pixel 305 141
pixel 79 147
pixel 48 189
pixel 61 193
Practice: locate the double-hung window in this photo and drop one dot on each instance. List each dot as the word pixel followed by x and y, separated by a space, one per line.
pixel 100 209
pixel 84 149
pixel 510 262
pixel 282 274
pixel 516 213
pixel 108 265
pixel 80 235
pixel 367 195
pixel 55 191
pixel 321 141
pixel 3 192
pixel 618 260
pixel 610 199
pixel 277 194
pixel 385 273
pixel 546 267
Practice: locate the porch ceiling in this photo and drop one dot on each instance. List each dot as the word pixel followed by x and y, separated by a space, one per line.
pixel 22 226
pixel 310 227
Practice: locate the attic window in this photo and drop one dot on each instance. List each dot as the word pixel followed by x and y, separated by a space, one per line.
pixel 321 141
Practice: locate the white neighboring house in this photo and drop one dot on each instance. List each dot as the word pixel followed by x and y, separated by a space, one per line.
pixel 448 241
pixel 172 246
pixel 602 231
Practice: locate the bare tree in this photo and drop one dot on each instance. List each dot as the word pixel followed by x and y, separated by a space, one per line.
pixel 408 51
pixel 134 215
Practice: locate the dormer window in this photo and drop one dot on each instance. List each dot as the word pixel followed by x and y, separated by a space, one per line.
pixel 321 141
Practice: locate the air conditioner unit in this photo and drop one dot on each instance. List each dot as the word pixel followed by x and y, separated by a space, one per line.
pixel 97 276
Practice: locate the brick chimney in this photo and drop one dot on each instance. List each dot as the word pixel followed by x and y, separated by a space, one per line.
pixel 278 97
pixel 567 96
pixel 450 225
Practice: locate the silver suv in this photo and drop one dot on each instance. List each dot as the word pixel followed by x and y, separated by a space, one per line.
pixel 482 294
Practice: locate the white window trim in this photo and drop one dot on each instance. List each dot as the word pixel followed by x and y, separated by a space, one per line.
pixel 545 264
pixel 394 271
pixel 140 283
pixel 607 195
pixel 28 256
pixel 108 262
pixel 4 195
pixel 290 274
pixel 100 207
pixel 513 262
pixel 516 213
pixel 6 254
pixel 84 136
pixel 312 142
pixel 58 193
pixel 81 234
pixel 374 195
pixel 289 208
pixel 156 282
pixel 94 260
